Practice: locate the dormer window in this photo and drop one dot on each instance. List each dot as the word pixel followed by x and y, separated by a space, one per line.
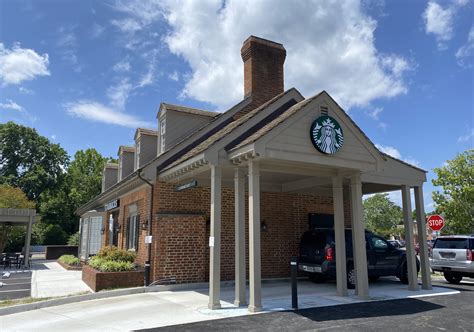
pixel 162 135
pixel 137 154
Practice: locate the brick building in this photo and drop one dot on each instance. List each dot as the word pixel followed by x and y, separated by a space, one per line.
pixel 185 186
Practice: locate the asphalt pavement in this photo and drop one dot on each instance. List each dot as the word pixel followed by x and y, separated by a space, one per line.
pixel 15 285
pixel 432 313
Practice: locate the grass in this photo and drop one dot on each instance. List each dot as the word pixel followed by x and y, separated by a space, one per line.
pixel 26 300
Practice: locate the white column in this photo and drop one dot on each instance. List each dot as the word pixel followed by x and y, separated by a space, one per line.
pixel 338 202
pixel 410 249
pixel 215 239
pixel 239 196
pixel 421 225
pixel 28 241
pixel 358 238
pixel 255 278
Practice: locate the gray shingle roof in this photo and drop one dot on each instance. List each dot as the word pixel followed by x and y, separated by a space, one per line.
pixel 227 130
pixel 190 110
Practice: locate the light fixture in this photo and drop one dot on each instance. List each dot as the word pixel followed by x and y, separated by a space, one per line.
pixel 263 226
pixel 144 224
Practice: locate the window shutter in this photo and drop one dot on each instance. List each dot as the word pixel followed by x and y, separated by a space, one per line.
pixel 137 232
pixel 126 233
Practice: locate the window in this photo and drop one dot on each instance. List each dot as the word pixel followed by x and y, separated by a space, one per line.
pixel 120 168
pixel 137 155
pixel 162 135
pixel 133 231
pixel 378 243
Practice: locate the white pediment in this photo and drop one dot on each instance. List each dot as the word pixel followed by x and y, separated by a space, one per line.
pixel 290 140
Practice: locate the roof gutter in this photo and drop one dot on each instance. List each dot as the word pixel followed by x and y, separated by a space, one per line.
pixel 150 228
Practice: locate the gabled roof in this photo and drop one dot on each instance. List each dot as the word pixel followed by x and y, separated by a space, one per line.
pixel 123 148
pixel 189 110
pixel 228 129
pixel 143 131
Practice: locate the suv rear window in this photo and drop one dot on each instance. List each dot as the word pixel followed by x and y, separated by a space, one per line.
pixel 316 240
pixel 451 243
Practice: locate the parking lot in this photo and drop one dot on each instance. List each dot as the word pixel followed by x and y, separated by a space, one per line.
pixel 15 284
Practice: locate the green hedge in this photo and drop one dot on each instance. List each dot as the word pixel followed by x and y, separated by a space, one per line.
pixel 69 260
pixel 113 260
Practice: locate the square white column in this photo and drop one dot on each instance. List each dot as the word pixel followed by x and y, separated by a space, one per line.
pixel 358 238
pixel 255 278
pixel 338 202
pixel 409 239
pixel 421 225
pixel 239 197
pixel 215 239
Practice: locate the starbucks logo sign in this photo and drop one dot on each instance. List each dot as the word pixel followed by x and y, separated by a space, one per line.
pixel 326 135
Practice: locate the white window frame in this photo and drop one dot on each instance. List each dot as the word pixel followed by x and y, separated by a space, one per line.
pixel 133 232
pixel 162 135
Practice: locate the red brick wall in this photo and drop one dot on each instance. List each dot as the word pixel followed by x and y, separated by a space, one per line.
pixel 286 216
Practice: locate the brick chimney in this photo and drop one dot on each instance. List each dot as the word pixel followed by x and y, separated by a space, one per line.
pixel 263 69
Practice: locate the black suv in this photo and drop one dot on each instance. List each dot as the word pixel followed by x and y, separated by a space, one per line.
pixel 318 257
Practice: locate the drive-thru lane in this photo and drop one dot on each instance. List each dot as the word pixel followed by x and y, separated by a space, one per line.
pixel 432 313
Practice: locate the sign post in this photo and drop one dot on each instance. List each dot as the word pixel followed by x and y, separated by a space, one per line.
pixel 435 222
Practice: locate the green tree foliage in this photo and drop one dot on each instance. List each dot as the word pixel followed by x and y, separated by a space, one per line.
pixel 456 201
pixel 381 215
pixel 81 183
pixel 13 198
pixel 54 234
pixel 29 161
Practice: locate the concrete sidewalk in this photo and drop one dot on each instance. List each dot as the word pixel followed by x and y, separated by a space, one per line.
pixel 166 308
pixel 51 280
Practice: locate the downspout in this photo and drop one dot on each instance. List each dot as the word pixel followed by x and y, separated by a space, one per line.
pixel 150 219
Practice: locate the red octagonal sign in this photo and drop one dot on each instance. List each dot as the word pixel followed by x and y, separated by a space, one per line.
pixel 435 222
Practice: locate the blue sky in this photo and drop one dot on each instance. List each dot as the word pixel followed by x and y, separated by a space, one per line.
pixel 87 73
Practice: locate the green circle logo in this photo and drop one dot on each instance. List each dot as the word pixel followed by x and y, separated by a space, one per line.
pixel 326 135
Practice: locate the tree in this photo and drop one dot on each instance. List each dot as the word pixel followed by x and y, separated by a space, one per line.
pixel 13 198
pixel 456 201
pixel 381 215
pixel 81 183
pixel 29 161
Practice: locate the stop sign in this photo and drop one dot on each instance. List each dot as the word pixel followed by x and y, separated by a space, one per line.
pixel 435 222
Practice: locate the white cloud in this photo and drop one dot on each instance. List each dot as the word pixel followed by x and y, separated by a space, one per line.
pixel 122 66
pixel 11 105
pixel 374 113
pixel 174 76
pixel 25 91
pixel 53 137
pixel 466 51
pixel 439 21
pixel 98 112
pixel 118 94
pixel 21 64
pixel 330 45
pixel 96 30
pixel 391 151
pixel 467 137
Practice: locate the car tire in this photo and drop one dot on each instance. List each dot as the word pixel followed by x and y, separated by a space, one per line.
pixel 452 278
pixel 317 278
pixel 351 277
pixel 404 273
pixel 374 278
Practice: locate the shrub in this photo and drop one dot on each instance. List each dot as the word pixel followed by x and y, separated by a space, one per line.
pixel 54 234
pixel 69 260
pixel 73 239
pixel 116 266
pixel 116 254
pixel 96 262
pixel 107 265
